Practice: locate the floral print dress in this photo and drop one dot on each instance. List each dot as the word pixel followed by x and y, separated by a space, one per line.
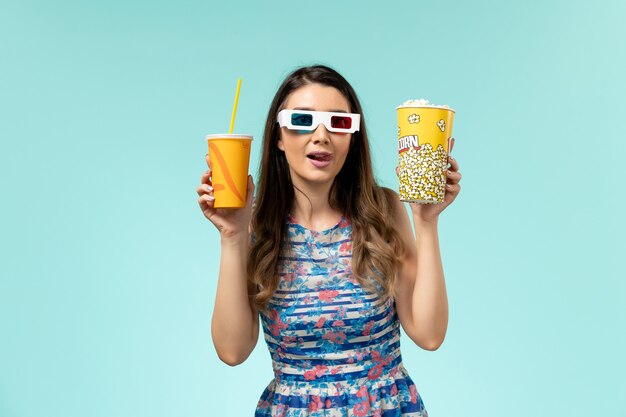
pixel 335 347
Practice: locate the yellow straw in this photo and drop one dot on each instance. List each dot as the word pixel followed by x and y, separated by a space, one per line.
pixel 232 119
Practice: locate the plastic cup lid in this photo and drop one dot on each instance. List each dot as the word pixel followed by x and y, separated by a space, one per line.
pixel 228 136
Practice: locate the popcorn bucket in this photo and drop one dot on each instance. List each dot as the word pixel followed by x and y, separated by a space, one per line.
pixel 424 131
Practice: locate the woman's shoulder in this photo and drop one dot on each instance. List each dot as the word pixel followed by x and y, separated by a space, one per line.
pixel 389 193
pixel 391 200
pixel 393 208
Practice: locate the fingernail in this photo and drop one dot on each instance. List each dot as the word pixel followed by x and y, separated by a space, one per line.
pixel 210 197
pixel 209 188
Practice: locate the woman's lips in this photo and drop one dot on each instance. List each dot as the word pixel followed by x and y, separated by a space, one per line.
pixel 319 164
pixel 320 159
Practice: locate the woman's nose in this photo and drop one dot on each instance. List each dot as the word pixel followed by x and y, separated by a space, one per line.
pixel 320 134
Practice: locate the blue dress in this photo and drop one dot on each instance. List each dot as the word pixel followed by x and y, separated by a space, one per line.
pixel 335 346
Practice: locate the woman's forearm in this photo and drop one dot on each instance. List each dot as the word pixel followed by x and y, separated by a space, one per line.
pixel 429 300
pixel 234 327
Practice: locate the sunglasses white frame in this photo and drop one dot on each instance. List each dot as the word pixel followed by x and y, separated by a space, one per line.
pixel 284 120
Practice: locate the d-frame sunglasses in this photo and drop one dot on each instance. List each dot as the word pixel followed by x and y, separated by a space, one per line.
pixel 307 121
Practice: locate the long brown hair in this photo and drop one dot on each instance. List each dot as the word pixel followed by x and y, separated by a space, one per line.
pixel 376 246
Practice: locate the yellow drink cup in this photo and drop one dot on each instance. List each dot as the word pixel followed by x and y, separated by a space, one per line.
pixel 229 156
pixel 423 138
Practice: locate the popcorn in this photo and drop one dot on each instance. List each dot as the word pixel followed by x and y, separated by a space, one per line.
pixel 442 125
pixel 414 118
pixel 422 102
pixel 423 173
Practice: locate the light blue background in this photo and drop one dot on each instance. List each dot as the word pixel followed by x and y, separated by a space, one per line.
pixel 109 269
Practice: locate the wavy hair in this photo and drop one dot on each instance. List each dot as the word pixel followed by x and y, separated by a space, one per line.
pixel 377 247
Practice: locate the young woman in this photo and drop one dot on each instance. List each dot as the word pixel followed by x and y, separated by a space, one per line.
pixel 328 260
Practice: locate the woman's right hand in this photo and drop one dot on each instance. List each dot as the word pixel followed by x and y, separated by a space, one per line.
pixel 231 223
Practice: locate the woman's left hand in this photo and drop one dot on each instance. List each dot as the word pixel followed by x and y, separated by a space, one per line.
pixel 429 213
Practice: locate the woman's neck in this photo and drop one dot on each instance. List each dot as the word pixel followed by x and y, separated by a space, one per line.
pixel 311 207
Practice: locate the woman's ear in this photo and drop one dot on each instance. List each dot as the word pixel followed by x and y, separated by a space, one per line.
pixel 280 145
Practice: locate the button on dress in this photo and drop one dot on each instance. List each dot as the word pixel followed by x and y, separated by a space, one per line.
pixel 335 346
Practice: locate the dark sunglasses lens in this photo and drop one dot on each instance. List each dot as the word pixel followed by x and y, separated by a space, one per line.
pixel 341 122
pixel 301 119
